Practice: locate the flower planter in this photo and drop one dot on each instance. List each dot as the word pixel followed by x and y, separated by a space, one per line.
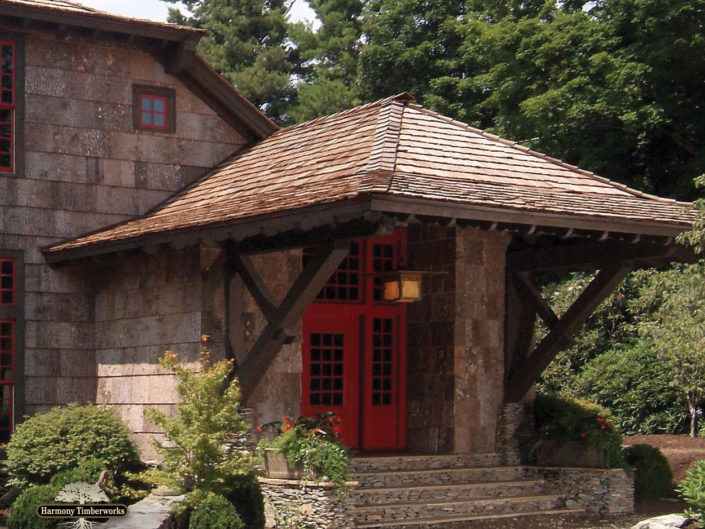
pixel 278 467
pixel 569 454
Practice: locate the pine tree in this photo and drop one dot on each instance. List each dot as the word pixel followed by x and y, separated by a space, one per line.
pixel 248 46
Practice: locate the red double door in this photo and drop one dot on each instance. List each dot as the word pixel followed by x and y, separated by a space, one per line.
pixel 354 349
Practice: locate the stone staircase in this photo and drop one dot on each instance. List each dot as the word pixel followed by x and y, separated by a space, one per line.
pixel 446 491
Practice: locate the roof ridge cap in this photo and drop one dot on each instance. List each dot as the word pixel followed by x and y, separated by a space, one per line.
pixel 561 163
pixel 383 155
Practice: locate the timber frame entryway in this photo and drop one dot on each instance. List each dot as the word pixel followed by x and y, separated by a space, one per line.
pixel 354 348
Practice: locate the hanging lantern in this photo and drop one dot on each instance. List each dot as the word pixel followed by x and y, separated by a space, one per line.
pixel 403 286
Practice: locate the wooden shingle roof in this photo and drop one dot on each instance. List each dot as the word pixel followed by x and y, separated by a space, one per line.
pixel 393 156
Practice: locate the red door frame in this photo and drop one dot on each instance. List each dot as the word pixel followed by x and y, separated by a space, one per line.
pixel 373 410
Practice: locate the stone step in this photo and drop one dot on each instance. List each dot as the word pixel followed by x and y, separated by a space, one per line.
pixel 466 491
pixel 446 476
pixel 423 462
pixel 403 512
pixel 476 521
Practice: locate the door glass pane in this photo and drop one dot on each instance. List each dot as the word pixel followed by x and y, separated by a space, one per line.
pixel 382 361
pixel 326 369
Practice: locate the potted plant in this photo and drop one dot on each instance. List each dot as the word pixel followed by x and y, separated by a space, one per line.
pixel 306 448
pixel 574 433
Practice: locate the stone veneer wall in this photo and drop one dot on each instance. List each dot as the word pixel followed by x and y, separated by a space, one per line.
pixel 456 341
pixel 429 422
pixel 85 167
pixel 148 304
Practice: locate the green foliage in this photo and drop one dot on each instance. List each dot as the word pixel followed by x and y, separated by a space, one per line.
pixel 561 419
pixel 652 475
pixel 87 471
pixel 245 494
pixel 328 59
pixel 23 514
pixel 677 331
pixel 623 357
pixel 63 438
pixel 635 385
pixel 692 489
pixel 195 453
pixel 215 512
pixel 313 443
pixel 247 44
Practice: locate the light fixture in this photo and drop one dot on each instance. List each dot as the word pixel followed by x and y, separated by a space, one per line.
pixel 403 286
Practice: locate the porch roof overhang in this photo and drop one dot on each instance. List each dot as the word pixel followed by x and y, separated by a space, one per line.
pixel 383 164
pixel 371 215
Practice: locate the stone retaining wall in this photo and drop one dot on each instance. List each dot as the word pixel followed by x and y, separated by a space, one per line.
pixel 595 490
pixel 294 503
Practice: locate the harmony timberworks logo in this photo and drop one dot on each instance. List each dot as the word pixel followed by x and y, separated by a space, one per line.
pixel 84 502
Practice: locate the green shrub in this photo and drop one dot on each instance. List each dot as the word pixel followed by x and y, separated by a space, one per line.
pixel 88 471
pixel 692 489
pixel 562 419
pixel 245 494
pixel 215 512
pixel 23 513
pixel 652 475
pixel 636 386
pixel 64 437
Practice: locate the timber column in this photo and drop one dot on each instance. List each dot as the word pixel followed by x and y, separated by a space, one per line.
pixel 478 352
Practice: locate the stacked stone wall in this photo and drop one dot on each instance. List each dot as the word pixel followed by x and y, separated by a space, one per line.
pixel 310 505
pixel 595 490
pixel 85 167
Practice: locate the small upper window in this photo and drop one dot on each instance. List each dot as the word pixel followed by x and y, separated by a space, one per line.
pixel 153 112
pixel 7 105
pixel 154 108
pixel 7 281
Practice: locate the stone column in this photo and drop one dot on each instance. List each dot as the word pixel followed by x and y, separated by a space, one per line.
pixel 478 352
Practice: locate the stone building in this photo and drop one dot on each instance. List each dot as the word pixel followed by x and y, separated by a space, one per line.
pixel 145 204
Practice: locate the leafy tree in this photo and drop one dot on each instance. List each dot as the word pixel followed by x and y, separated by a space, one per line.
pixel 195 454
pixel 328 59
pixel 247 44
pixel 411 45
pixel 678 333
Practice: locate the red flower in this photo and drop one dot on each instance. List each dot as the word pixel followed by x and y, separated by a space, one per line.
pixel 583 435
pixel 603 427
pixel 288 427
pixel 286 417
pixel 259 428
pixel 336 430
pixel 600 419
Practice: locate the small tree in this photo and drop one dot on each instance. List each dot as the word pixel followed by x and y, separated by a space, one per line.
pixel 195 454
pixel 678 333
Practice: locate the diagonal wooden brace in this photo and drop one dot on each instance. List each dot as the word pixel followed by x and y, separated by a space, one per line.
pixel 532 295
pixel 531 367
pixel 280 319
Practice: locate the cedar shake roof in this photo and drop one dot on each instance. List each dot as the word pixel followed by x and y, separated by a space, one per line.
pixel 393 156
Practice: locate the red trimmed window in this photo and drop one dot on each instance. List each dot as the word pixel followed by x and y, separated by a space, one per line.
pixel 7 376
pixel 7 105
pixel 154 112
pixel 7 281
